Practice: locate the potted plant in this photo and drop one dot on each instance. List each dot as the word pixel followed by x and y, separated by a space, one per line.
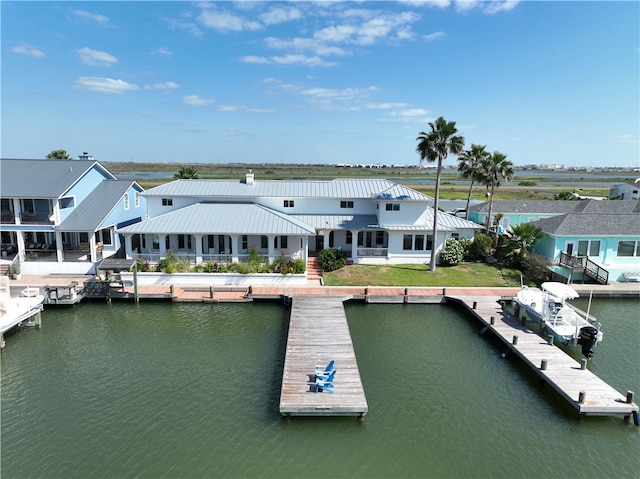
pixel 15 271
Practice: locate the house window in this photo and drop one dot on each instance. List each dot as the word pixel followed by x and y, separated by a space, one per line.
pixel 126 201
pixel 591 248
pixel 136 199
pixel 418 243
pixel 346 204
pixel 331 239
pixel 288 203
pixel 628 248
pixel 167 201
pixel 349 239
pixel 429 242
pixel 67 202
pixel 264 242
pixel 407 240
pixel 103 236
pixel 184 241
pixel 245 242
pixel 455 236
pixel 28 206
pixel 379 237
pixel 284 242
pixel 392 206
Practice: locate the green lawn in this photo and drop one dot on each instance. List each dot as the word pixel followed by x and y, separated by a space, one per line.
pixel 467 274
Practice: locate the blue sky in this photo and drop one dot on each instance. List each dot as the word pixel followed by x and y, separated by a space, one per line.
pixel 320 82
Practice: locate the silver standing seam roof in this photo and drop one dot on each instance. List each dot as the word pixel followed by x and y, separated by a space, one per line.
pixel 43 178
pixel 94 210
pixel 224 218
pixel 348 188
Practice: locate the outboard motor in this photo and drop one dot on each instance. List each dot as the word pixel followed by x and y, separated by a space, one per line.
pixel 587 337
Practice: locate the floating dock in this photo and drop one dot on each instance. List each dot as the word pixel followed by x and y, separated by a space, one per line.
pixel 582 389
pixel 319 333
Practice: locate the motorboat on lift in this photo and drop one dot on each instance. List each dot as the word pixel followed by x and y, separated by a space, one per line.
pixel 566 323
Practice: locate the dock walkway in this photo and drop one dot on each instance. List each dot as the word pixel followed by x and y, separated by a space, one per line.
pixel 319 333
pixel 581 388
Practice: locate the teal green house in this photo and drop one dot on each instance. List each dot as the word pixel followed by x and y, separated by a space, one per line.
pixel 585 240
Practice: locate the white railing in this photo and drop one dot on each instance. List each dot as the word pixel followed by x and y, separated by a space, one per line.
pixel 372 251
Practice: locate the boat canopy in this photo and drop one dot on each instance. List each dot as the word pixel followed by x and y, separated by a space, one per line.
pixel 559 290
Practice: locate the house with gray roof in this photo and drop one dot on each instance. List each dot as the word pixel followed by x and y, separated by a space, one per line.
pixel 61 216
pixel 373 220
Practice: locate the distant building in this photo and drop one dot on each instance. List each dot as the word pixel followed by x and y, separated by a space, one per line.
pixel 625 191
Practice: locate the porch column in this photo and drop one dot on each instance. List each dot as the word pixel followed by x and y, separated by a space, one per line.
pixel 128 246
pixel 20 244
pixel 272 249
pixel 59 247
pixel 17 215
pixel 92 247
pixel 162 245
pixel 234 249
pixel 354 245
pixel 198 240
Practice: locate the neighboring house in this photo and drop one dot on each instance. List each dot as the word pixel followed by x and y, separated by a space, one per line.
pixel 520 211
pixel 372 220
pixel 625 191
pixel 606 233
pixel 61 216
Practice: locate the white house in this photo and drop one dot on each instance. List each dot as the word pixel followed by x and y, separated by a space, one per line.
pixel 626 191
pixel 373 220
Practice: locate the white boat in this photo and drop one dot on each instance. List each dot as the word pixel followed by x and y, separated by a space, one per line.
pixel 567 324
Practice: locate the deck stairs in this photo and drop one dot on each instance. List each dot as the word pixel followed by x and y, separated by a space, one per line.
pixel 314 271
pixel 582 264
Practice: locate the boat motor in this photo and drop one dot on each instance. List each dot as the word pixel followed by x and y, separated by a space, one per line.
pixel 588 337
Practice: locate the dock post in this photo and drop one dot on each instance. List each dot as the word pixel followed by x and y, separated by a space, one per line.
pixel 581 397
pixel 583 364
pixel 136 296
pixel 475 305
pixel 211 292
pixel 2 343
pixel 543 365
pixel 492 320
pixel 630 395
pixel 550 340
pixel 38 320
pixel 406 295
pixel 515 340
pixel 444 291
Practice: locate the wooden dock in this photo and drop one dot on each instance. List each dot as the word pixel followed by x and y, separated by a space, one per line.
pixel 581 388
pixel 319 333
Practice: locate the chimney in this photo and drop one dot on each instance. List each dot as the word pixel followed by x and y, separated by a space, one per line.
pixel 85 156
pixel 249 178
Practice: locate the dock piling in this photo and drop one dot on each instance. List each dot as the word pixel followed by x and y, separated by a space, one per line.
pixel 630 395
pixel 543 364
pixel 581 397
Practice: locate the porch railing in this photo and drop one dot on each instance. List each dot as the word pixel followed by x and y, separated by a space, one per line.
pixel 372 251
pixel 584 265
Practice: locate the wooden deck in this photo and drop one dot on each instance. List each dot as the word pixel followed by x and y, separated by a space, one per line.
pixel 582 389
pixel 318 333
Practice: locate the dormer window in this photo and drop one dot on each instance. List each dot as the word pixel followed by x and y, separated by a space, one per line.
pixel 288 203
pixel 346 204
pixel 393 207
pixel 167 201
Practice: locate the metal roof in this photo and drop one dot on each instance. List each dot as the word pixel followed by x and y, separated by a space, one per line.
pixel 558 206
pixel 337 222
pixel 91 213
pixel 43 178
pixel 222 218
pixel 337 188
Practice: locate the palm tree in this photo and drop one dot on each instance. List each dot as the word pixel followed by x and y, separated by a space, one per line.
pixel 518 240
pixel 436 145
pixel 469 163
pixel 58 155
pixel 564 195
pixel 495 168
pixel 186 173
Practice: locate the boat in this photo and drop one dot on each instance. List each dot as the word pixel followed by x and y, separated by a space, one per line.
pixel 18 310
pixel 567 324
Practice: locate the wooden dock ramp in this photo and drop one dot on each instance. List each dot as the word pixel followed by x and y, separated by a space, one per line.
pixel 581 388
pixel 319 333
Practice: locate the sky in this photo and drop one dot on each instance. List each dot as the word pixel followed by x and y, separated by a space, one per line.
pixel 330 82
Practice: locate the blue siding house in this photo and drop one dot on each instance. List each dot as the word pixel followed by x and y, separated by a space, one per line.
pixel 61 216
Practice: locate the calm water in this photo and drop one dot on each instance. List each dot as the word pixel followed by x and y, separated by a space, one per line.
pixel 180 390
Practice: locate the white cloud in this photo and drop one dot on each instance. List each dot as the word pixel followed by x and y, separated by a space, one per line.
pixel 224 22
pixel 25 49
pixel 497 6
pixel 255 59
pixel 85 16
pixel 280 14
pixel 166 86
pixel 427 3
pixel 434 36
pixel 196 100
pixel 162 51
pixel 290 59
pixel 104 85
pixel 96 58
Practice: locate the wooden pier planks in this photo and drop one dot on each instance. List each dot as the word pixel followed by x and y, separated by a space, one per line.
pixel 318 333
pixel 562 372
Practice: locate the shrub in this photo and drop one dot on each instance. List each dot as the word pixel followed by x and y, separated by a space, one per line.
pixel 535 268
pixel 451 253
pixel 466 244
pixel 172 263
pixel 481 246
pixel 331 259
